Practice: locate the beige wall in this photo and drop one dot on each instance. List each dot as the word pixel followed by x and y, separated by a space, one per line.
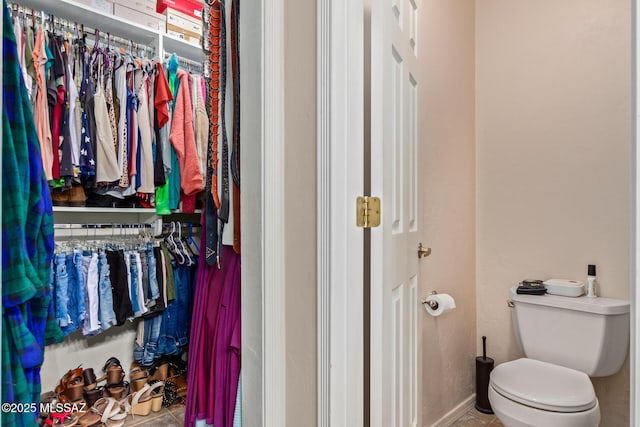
pixel 553 158
pixel 447 169
pixel 300 195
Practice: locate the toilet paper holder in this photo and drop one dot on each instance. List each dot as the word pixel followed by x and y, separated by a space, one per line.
pixel 432 304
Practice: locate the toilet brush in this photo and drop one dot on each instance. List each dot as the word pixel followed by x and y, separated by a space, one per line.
pixel 484 366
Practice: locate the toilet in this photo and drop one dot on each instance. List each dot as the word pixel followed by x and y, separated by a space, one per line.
pixel 566 340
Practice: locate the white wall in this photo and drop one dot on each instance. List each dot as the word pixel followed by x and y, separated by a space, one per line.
pixel 447 173
pixel 553 83
pixel 300 219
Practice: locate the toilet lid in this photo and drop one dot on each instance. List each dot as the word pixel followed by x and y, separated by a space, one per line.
pixel 544 385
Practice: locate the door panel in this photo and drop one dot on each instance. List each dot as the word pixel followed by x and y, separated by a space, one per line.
pixel 395 279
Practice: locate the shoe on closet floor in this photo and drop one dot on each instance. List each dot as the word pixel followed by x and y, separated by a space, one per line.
pixel 107 411
pixel 71 386
pixel 63 419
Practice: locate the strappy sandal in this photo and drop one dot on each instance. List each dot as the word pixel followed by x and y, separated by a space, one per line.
pixel 113 372
pixel 140 402
pixel 90 381
pixel 107 411
pixel 64 419
pixel 71 386
pixel 119 390
pixel 138 376
pixel 156 391
pixel 92 396
pixel 48 397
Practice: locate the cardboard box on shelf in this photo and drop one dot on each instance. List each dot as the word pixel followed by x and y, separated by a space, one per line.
pixel 104 6
pixel 189 7
pixel 145 6
pixel 140 18
pixel 181 20
pixel 191 40
pixel 178 30
pixel 182 23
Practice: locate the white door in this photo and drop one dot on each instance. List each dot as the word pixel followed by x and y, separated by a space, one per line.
pixel 395 281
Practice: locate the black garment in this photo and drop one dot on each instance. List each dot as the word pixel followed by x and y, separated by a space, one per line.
pixel 159 306
pixel 145 277
pixel 119 286
pixel 159 179
pixel 66 165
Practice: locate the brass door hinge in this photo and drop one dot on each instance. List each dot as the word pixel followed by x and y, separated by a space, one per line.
pixel 368 212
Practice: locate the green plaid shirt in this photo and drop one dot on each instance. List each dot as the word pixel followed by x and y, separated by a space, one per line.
pixel 27 243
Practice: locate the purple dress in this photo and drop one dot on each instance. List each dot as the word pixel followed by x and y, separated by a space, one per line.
pixel 214 349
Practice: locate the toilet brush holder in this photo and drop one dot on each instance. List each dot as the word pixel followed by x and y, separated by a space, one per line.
pixel 484 366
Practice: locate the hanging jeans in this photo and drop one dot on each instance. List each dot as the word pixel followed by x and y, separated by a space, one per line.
pixel 107 316
pixel 146 352
pixel 81 283
pixel 91 324
pixel 176 319
pixel 62 290
pixel 72 296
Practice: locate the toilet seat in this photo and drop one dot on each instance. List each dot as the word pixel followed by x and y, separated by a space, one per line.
pixel 544 386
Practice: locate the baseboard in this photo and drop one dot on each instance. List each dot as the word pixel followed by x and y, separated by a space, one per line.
pixel 453 415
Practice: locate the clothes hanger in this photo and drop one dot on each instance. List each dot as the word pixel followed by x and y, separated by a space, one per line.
pixel 183 248
pixel 195 249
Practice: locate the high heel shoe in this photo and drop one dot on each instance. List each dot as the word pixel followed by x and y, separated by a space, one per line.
pixel 156 391
pixel 107 411
pixel 140 402
pixel 70 386
pixel 113 372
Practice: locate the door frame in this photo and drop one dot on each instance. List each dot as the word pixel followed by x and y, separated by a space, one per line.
pixel 634 356
pixel 340 179
pixel 263 247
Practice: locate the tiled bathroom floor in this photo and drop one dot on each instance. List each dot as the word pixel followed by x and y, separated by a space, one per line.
pixel 172 417
pixel 474 418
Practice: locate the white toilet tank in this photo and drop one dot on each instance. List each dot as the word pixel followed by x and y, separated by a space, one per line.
pixel 587 334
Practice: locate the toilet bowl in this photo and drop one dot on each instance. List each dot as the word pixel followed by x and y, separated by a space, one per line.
pixel 531 393
pixel 566 341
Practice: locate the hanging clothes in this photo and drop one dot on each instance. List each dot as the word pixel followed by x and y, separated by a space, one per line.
pixel 183 138
pixel 27 244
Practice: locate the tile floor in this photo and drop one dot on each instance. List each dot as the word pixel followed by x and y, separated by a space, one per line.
pixel 474 418
pixel 172 417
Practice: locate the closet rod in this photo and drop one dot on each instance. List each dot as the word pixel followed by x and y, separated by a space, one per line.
pixel 65 24
pixel 185 61
pixel 100 226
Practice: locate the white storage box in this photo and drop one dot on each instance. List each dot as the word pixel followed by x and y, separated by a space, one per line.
pixel 564 287
pixel 140 18
pixel 103 6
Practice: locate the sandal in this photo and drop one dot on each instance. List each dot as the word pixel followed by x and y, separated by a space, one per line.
pixel 140 402
pixel 107 411
pixel 161 372
pixel 92 396
pixel 90 381
pixel 119 390
pixel 138 376
pixel 48 397
pixel 113 371
pixel 156 391
pixel 70 386
pixel 65 419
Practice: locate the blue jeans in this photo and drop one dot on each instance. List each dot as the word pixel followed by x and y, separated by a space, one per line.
pixel 146 353
pixel 61 290
pixel 80 274
pixel 72 296
pixel 106 315
pixel 153 279
pixel 137 310
pixel 176 318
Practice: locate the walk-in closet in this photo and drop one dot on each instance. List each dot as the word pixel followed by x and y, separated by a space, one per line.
pixel 121 187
